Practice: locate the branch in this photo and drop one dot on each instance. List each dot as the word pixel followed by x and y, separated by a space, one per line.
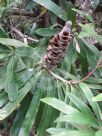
pixel 76 82
pixel 89 74
pixel 17 11
pixel 58 77
pixel 23 36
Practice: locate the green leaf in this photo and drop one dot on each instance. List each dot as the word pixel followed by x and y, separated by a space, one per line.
pixel 76 133
pixel 10 107
pixel 63 4
pixel 59 91
pixel 47 31
pixel 2 84
pixel 98 133
pixel 23 76
pixel 53 8
pixel 2 32
pixel 77 118
pixel 3 98
pixel 68 75
pixel 95 3
pixel 25 51
pixel 1 10
pixel 92 56
pixel 82 107
pixel 30 115
pixel 69 58
pixel 45 121
pixel 89 96
pixel 11 42
pixel 46 118
pixel 20 65
pixel 4 52
pixel 95 86
pixel 98 97
pixel 17 123
pixel 56 130
pixel 94 80
pixel 11 80
pixel 3 68
pixel 70 13
pixel 89 29
pixel 59 105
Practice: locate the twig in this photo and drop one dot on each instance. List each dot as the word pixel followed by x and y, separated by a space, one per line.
pixel 89 74
pixel 58 77
pixel 76 82
pixel 100 66
pixel 22 12
pixel 22 35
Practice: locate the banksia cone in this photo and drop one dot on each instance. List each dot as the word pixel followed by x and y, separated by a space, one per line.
pixel 57 46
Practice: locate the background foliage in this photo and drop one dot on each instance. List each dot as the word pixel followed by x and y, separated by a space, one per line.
pixel 35 100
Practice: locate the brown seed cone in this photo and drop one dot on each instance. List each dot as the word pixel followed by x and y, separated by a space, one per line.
pixel 57 46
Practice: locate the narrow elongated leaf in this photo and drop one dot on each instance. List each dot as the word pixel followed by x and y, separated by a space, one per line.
pixel 95 86
pixel 77 118
pixel 69 58
pixel 98 133
pixel 1 10
pixel 59 105
pixel 25 51
pixel 31 114
pixel 92 56
pixel 2 32
pixel 46 119
pixel 17 123
pixel 20 65
pixel 11 81
pixel 98 97
pixel 70 13
pixel 89 29
pixel 89 97
pixel 94 80
pixel 4 51
pixel 95 3
pixel 11 42
pixel 2 73
pixel 2 84
pixel 63 4
pixel 4 55
pixel 3 98
pixel 56 130
pixel 23 76
pixel 76 133
pixel 53 8
pixel 10 107
pixel 68 75
pixel 46 31
pixel 59 91
pixel 66 132
pixel 82 107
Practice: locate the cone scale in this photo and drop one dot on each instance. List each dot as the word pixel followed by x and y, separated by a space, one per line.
pixel 57 46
